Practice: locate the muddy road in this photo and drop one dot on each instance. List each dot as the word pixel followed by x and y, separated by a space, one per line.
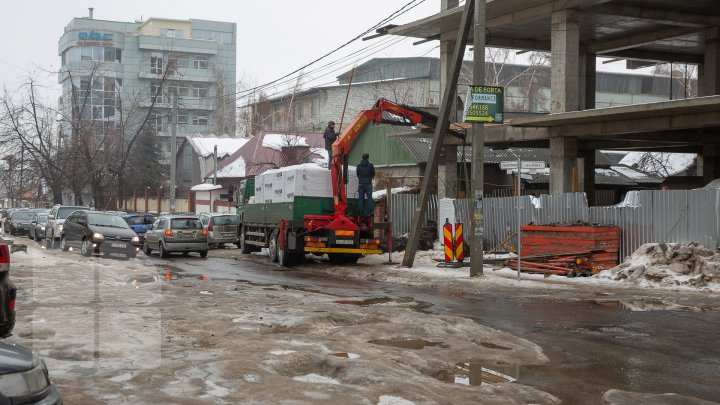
pixel 596 340
pixel 238 329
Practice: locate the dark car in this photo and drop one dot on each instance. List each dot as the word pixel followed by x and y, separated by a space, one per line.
pixel 99 232
pixel 24 377
pixel 140 223
pixel 176 233
pixel 18 222
pixel 36 231
pixel 7 294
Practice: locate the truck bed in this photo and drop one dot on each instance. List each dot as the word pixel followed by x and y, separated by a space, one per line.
pixel 269 214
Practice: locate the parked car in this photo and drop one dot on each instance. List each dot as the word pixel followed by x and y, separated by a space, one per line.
pixel 99 232
pixel 176 233
pixel 8 294
pixel 140 223
pixel 56 218
pixel 24 377
pixel 221 228
pixel 18 222
pixel 36 231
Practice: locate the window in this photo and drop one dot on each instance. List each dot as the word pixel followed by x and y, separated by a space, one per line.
pixel 156 121
pixel 156 63
pixel 200 120
pixel 178 61
pixel 181 89
pixel 112 55
pixel 201 90
pixel 221 37
pixel 170 33
pixel 156 92
pixel 94 53
pixel 182 119
pixel 200 62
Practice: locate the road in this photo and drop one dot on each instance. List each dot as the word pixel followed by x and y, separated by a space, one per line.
pixel 595 341
pixel 236 328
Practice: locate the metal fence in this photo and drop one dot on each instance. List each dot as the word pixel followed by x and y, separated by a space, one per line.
pixel 402 210
pixel 679 216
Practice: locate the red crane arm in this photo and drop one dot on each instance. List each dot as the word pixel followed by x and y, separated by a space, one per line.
pixel 341 147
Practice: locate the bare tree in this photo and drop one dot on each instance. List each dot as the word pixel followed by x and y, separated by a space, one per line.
pixel 683 76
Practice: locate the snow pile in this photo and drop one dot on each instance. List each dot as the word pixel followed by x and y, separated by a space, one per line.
pixel 205 146
pixel 669 264
pixel 396 190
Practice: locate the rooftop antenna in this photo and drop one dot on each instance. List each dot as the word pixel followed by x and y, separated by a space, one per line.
pixel 90 12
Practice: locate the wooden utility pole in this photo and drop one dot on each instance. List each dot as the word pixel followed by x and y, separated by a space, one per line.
pixel 440 130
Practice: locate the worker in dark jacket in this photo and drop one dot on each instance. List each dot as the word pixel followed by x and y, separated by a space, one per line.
pixel 330 136
pixel 365 173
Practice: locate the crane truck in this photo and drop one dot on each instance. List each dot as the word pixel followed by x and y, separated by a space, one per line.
pixel 321 225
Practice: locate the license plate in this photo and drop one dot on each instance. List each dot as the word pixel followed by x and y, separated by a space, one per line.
pixel 344 241
pixel 117 245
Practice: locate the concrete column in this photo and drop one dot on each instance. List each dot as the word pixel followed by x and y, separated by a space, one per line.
pixel 563 157
pixel 709 162
pixel 447 169
pixel 590 82
pixel 710 79
pixel 586 174
pixel 565 53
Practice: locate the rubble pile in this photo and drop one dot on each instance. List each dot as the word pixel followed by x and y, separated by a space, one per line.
pixel 668 264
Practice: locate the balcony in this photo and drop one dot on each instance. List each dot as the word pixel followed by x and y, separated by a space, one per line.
pixel 184 103
pixel 187 74
pixel 181 45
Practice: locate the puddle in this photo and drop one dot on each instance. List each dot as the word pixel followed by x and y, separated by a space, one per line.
pixel 420 306
pixel 414 344
pixel 494 346
pixel 345 355
pixel 473 373
pixel 162 278
pixel 649 305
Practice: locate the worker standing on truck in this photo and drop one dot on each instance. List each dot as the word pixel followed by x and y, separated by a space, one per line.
pixel 330 136
pixel 365 173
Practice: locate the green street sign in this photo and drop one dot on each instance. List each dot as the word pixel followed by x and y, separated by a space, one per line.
pixel 484 104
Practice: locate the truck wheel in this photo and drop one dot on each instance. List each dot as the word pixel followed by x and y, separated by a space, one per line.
pixel 273 246
pixel 203 253
pixel 244 247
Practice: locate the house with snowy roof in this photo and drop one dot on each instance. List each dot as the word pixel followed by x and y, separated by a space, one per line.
pixel 196 158
pixel 270 150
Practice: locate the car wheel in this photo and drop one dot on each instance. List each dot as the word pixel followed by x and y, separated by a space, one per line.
pixel 273 246
pixel 47 241
pixel 63 245
pixel 86 248
pixel 186 254
pixel 52 242
pixel 146 249
pixel 203 253
pixel 161 251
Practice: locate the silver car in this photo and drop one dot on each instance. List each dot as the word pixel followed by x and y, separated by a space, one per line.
pixel 221 228
pixel 176 233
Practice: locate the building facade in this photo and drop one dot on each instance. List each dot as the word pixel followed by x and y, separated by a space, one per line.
pixel 121 75
pixel 416 82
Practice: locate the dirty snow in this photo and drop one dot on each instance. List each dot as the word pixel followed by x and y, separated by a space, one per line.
pixel 391 400
pixel 669 265
pixel 281 352
pixel 316 379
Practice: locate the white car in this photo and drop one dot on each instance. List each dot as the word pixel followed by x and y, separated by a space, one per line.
pixel 56 219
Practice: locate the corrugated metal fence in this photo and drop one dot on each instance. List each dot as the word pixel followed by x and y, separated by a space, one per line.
pixel 679 216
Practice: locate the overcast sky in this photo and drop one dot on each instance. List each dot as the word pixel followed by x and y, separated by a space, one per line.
pixel 274 37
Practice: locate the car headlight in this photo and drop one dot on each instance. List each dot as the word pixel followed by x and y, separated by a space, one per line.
pixel 42 228
pixel 23 384
pixel 135 239
pixel 98 237
pixel 60 227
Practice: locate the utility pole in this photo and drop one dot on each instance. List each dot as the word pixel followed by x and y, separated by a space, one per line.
pixel 478 146
pixel 173 149
pixel 215 161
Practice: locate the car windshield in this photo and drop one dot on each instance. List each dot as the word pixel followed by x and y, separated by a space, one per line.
pixel 112 221
pixel 225 220
pixel 64 212
pixel 41 219
pixel 22 216
pixel 185 223
pixel 138 220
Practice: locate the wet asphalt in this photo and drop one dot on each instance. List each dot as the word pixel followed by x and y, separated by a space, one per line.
pixel 594 343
